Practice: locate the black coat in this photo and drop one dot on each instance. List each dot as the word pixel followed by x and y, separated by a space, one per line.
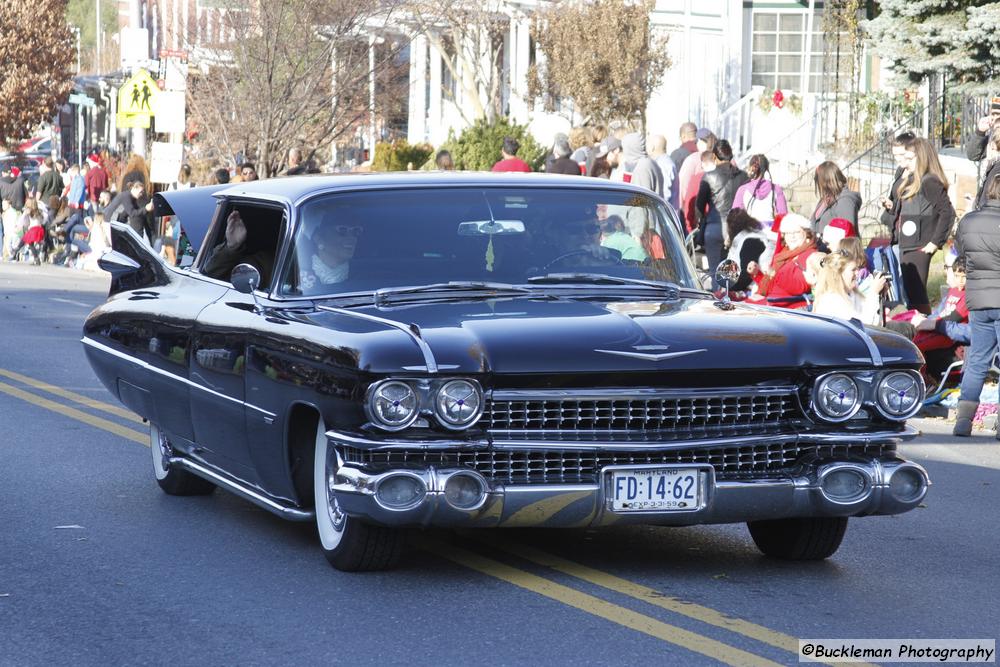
pixel 563 165
pixel 978 239
pixel 888 217
pixel 718 188
pixel 930 212
pixel 975 150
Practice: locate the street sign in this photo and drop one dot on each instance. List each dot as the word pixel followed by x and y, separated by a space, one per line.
pixel 165 163
pixel 138 94
pixel 170 112
pixel 81 100
pixel 134 46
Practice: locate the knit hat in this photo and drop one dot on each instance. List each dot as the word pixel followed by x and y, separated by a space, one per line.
pixel 837 230
pixel 794 221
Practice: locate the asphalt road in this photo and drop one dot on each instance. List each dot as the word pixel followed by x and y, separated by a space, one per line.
pixel 99 567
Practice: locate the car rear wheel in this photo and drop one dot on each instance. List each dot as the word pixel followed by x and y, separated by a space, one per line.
pixel 348 543
pixel 813 538
pixel 173 480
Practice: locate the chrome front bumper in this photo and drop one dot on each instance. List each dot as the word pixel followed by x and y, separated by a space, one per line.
pixel 795 493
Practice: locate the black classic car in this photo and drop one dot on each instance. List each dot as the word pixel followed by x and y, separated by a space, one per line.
pixel 383 351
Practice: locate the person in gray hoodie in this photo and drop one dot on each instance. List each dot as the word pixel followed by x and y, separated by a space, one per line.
pixel 635 166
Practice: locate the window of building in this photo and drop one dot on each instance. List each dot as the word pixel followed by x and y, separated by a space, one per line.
pixel 778 51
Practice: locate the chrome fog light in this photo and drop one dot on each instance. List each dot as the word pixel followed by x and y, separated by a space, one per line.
pixel 900 394
pixel 836 397
pixel 392 405
pixel 845 485
pixel 907 485
pixel 465 491
pixel 458 404
pixel 400 492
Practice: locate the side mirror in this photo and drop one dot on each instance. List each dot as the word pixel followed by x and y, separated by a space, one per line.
pixel 245 278
pixel 727 273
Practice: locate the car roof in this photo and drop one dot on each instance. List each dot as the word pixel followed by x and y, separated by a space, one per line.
pixel 296 188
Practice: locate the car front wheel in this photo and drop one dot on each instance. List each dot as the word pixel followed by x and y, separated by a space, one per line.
pixel 813 538
pixel 348 543
pixel 173 480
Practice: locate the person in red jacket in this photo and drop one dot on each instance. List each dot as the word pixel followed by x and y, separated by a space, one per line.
pixel 96 180
pixel 786 283
pixel 510 161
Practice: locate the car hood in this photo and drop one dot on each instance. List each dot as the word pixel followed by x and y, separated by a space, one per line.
pixel 559 335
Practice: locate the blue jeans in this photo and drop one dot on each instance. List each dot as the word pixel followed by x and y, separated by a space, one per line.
pixel 985 327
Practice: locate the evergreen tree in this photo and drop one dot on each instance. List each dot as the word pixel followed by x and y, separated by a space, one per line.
pixel 38 55
pixel 957 38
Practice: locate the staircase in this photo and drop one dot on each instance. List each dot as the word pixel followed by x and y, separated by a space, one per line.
pixel 735 124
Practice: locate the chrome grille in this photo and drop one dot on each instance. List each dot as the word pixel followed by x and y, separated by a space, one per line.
pixel 583 467
pixel 662 411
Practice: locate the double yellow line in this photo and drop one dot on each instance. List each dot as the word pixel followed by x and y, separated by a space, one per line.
pixel 566 595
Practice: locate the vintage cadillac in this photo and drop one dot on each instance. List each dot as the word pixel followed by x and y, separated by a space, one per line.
pixel 376 352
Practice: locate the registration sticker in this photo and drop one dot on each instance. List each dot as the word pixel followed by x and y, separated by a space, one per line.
pixel 654 489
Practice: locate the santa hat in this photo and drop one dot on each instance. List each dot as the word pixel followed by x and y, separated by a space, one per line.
pixel 94 159
pixel 15 171
pixel 837 230
pixel 792 222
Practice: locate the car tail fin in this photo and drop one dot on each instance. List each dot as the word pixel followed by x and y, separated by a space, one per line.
pixel 131 263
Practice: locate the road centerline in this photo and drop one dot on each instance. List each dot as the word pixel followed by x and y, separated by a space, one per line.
pixel 595 606
pixel 72 396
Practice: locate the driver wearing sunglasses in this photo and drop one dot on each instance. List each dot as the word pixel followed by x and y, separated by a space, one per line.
pixel 330 263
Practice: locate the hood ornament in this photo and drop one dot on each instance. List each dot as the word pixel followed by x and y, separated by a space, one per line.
pixel 652 356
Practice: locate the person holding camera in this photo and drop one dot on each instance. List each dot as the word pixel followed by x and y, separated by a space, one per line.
pixel 978 240
pixel 985 145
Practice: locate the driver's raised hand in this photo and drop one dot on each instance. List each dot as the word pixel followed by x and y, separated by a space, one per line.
pixel 236 231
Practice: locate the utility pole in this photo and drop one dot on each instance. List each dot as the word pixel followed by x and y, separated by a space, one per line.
pixel 97 38
pixel 135 21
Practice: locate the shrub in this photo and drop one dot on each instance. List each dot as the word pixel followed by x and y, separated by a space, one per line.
pixel 397 155
pixel 478 148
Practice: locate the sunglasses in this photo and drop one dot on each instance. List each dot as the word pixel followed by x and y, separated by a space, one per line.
pixel 341 230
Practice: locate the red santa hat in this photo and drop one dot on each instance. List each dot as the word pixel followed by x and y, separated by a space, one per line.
pixel 837 230
pixel 94 159
pixel 15 171
pixel 792 222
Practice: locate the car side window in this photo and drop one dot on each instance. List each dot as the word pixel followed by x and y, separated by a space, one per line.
pixel 247 234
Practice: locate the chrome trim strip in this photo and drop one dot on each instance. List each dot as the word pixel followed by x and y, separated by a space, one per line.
pixel 425 349
pixel 645 356
pixel 284 511
pixel 159 371
pixel 859 438
pixel 640 393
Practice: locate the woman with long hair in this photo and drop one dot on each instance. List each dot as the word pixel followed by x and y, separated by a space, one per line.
pixel 835 199
pixel 836 291
pixel 760 196
pixel 135 170
pixel 924 216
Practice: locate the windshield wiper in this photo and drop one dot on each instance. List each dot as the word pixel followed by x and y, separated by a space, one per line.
pixel 455 287
pixel 599 279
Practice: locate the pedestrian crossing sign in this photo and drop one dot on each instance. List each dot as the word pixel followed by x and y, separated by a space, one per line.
pixel 137 98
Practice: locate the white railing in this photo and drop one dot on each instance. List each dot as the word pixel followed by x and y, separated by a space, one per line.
pixel 735 124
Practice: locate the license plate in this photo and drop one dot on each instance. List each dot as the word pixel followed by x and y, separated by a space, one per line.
pixel 655 489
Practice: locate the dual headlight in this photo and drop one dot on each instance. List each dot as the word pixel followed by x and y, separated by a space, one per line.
pixel 836 397
pixel 393 405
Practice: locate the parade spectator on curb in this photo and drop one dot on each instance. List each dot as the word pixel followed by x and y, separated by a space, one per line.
pixel 509 160
pixel 12 188
pixel 978 241
pixel 888 217
pixel 633 165
pixel 600 167
pixel 77 195
pixel 671 185
pixel 760 196
pixel 718 186
pixel 583 145
pixel 135 208
pixel 985 145
pixel 49 182
pixel 598 133
pixel 562 164
pixel 785 284
pixel 689 145
pixel 835 233
pixel 690 177
pixel 97 180
pixel 550 156
pixel 248 172
pixel 837 295
pixel 924 221
pixel 835 199
pixel 443 161
pixel 749 242
pixel 294 163
pixel 33 224
pixel 135 170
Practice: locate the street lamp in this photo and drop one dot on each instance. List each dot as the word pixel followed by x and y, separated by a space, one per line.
pixel 76 31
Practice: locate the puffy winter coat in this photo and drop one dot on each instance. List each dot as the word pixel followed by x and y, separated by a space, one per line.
pixel 978 239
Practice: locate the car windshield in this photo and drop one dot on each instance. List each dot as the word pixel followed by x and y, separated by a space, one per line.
pixel 364 241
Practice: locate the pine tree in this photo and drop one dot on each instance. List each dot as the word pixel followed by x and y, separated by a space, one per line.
pixel 957 38
pixel 38 54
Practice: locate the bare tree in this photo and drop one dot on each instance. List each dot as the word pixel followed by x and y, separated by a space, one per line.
pixel 37 51
pixel 612 72
pixel 469 36
pixel 296 74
